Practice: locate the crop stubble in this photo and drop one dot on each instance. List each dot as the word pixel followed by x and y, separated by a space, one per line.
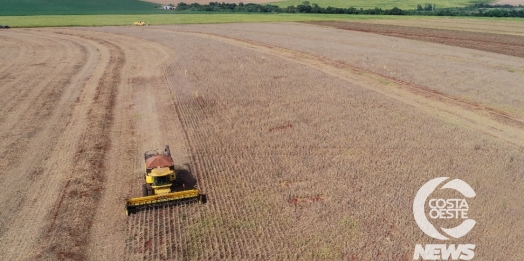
pixel 302 154
pixel 36 122
pixel 230 110
pixel 220 102
pixel 470 75
pixel 490 42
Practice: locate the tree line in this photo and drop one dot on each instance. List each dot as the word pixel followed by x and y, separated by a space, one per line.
pixel 306 7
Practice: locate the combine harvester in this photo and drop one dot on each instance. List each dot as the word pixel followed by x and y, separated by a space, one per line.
pixel 140 23
pixel 160 183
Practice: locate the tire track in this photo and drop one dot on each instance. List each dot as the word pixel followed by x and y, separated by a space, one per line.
pixel 68 233
pixel 45 142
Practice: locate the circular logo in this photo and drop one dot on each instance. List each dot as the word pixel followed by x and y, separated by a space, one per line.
pixel 451 208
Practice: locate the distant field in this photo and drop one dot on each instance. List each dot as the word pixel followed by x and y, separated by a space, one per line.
pixel 67 7
pixel 384 4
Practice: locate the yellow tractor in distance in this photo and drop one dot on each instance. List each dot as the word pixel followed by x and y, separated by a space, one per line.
pixel 140 23
pixel 162 186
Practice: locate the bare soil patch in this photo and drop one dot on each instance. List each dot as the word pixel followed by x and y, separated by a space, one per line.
pixel 460 24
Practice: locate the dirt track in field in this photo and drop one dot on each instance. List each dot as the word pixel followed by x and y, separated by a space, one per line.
pixel 307 149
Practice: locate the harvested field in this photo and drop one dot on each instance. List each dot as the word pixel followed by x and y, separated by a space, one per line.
pixel 497 43
pixel 464 74
pixel 310 142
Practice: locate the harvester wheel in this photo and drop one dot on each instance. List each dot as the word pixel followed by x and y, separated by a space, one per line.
pixel 149 190
pixel 130 210
pixel 145 190
pixel 202 199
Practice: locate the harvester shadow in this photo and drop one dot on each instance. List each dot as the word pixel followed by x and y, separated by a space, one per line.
pixel 185 180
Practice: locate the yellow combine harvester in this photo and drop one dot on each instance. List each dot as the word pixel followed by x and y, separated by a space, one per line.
pixel 161 182
pixel 140 23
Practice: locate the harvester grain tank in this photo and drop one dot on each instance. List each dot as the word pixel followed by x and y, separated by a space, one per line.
pixel 159 184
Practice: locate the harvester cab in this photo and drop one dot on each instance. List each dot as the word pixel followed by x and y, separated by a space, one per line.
pixel 160 172
pixel 160 182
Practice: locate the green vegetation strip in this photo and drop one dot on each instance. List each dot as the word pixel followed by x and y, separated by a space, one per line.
pixel 165 19
pixel 187 18
pixel 483 10
pixel 75 7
